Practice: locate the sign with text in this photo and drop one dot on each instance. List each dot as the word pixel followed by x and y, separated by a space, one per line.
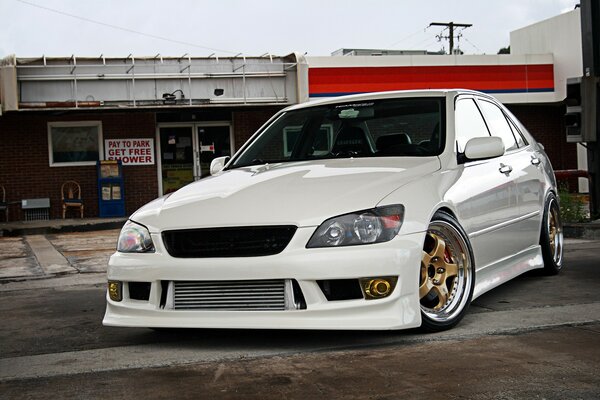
pixel 130 151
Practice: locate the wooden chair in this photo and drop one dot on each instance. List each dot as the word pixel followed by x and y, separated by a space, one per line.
pixel 3 203
pixel 71 197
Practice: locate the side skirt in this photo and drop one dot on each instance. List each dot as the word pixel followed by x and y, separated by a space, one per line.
pixel 495 274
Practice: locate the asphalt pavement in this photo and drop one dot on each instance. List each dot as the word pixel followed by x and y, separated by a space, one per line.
pixel 534 337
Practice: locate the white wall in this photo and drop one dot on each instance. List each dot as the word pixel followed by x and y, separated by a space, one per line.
pixel 560 36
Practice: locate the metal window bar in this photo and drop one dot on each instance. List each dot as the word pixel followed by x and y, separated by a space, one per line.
pixel 74 79
pixel 132 69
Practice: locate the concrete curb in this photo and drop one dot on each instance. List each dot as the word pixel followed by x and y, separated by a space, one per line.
pixel 587 230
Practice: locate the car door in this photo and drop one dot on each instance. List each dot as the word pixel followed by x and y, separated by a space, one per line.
pixel 525 172
pixel 530 187
pixel 485 193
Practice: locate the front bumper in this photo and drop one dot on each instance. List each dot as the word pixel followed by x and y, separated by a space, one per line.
pixel 399 257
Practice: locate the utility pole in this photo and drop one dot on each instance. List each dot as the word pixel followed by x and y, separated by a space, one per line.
pixel 450 26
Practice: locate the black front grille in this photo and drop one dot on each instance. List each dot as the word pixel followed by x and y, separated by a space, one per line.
pixel 228 242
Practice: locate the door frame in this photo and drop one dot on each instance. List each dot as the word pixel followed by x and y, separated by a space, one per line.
pixel 195 145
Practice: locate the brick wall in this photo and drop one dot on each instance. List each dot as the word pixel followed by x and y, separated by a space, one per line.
pixel 246 122
pixel 24 164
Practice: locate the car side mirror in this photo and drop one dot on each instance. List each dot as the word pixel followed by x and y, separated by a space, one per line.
pixel 218 164
pixel 481 148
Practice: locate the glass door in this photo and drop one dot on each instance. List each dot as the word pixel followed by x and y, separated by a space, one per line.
pixel 213 142
pixel 177 157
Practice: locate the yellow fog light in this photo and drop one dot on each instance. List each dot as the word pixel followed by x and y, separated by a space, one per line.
pixel 115 291
pixel 378 287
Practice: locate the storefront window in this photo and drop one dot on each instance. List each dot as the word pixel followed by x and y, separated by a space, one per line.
pixel 75 143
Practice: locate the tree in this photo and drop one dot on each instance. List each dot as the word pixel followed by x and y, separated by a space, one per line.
pixel 504 50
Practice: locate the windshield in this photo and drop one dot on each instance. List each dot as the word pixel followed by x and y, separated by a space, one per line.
pixel 408 127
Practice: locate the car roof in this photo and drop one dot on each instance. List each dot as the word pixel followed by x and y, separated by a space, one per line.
pixel 385 95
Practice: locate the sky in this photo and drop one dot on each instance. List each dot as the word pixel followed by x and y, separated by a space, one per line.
pixel 117 28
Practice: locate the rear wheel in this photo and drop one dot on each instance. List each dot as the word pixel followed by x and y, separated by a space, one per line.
pixel 447 275
pixel 551 237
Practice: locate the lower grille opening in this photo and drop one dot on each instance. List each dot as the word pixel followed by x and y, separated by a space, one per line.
pixel 139 290
pixel 252 295
pixel 341 289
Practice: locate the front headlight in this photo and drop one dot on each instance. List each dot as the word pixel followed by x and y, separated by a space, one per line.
pixel 135 238
pixel 377 225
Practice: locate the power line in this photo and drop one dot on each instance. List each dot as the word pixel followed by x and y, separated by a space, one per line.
pixel 430 43
pixel 420 42
pixel 474 46
pixel 408 37
pixel 124 29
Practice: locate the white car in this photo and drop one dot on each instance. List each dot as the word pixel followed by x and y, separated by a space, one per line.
pixel 378 211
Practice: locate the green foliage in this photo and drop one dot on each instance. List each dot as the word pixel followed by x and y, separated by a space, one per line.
pixel 571 206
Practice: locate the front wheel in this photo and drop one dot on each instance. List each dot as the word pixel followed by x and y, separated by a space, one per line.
pixel 551 237
pixel 447 275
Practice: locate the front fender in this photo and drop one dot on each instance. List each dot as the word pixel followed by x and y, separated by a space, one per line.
pixel 422 198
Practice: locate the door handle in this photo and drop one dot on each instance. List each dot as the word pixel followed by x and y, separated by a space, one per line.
pixel 535 160
pixel 505 169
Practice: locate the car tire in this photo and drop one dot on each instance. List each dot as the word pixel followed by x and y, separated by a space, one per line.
pixel 447 274
pixel 551 236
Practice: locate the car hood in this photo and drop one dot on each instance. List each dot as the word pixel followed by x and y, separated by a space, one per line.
pixel 300 193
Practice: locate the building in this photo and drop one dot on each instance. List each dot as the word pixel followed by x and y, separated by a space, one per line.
pixel 167 118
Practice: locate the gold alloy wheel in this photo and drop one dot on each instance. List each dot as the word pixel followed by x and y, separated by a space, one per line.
pixel 555 235
pixel 438 271
pixel 445 276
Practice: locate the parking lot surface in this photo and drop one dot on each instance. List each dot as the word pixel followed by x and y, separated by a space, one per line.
pixel 535 337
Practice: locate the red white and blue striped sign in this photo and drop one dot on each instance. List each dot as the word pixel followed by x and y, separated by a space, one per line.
pixel 337 81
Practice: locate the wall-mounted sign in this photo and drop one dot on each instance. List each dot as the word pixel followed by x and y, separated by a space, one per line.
pixel 130 151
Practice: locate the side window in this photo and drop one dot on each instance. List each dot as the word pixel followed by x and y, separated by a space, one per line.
pixel 498 124
pixel 521 141
pixel 469 123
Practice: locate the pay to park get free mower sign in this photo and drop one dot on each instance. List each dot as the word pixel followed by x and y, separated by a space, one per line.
pixel 130 151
